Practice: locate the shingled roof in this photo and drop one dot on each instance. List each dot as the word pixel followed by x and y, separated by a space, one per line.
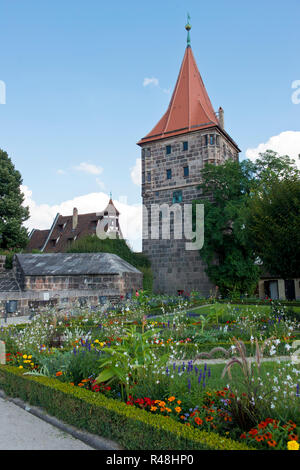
pixel 64 231
pixel 69 264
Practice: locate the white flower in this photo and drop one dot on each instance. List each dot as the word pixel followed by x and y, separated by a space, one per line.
pixel 287 347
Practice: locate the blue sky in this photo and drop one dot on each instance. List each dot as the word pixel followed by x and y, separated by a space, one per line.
pixel 74 73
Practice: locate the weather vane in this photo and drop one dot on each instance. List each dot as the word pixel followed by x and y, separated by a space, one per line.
pixel 188 28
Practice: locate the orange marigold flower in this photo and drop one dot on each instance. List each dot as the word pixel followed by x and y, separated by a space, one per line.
pixel 171 398
pixel 209 418
pixel 178 409
pixel 259 438
pixel 58 373
pixel 179 402
pixel 198 421
pixel 272 443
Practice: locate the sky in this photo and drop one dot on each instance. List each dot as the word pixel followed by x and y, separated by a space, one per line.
pixel 82 81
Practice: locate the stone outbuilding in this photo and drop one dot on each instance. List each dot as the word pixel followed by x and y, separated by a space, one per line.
pixel 65 279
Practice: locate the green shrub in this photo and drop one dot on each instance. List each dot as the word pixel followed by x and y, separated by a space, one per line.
pixel 132 428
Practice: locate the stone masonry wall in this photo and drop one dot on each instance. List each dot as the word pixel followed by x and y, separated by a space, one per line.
pixel 174 268
pixel 2 263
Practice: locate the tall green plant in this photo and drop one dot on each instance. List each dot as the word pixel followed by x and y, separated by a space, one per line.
pixel 128 361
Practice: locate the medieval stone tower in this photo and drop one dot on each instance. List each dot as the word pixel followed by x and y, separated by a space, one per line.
pixel 189 135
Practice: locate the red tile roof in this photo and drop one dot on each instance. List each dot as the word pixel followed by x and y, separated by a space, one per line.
pixel 190 107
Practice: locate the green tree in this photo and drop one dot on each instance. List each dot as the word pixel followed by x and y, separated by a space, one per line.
pixel 13 235
pixel 239 198
pixel 274 227
pixel 230 262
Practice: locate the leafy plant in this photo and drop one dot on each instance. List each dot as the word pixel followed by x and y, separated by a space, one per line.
pixel 127 361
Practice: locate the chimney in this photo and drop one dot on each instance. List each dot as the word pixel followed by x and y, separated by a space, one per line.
pixel 221 117
pixel 75 218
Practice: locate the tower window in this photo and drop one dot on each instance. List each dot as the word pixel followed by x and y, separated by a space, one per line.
pixel 218 140
pixel 206 140
pixel 185 171
pixel 177 197
pixel 168 149
pixel 148 176
pixel 143 178
pixel 212 139
pixel 185 146
pixel 169 174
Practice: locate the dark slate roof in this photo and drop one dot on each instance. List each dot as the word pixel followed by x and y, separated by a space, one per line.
pixel 65 264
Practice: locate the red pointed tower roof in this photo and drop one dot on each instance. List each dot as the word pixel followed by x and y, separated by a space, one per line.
pixel 190 107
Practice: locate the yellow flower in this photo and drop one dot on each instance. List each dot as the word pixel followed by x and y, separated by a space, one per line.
pixel 153 408
pixel 101 344
pixel 293 445
pixel 24 356
pixel 20 367
pixel 29 357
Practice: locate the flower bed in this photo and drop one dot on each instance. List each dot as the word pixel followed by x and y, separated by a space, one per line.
pixel 132 428
pixel 147 364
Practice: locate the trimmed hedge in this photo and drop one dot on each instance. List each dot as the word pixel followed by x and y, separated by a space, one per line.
pixel 132 428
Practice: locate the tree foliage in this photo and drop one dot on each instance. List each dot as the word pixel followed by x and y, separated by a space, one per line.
pixel 274 227
pixel 13 235
pixel 251 214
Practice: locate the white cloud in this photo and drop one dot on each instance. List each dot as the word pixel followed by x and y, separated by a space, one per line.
pixel 150 81
pixel 136 172
pixel 89 168
pixel 61 172
pixel 285 143
pixel 42 215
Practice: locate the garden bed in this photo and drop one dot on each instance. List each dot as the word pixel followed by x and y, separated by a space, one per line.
pixel 145 371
